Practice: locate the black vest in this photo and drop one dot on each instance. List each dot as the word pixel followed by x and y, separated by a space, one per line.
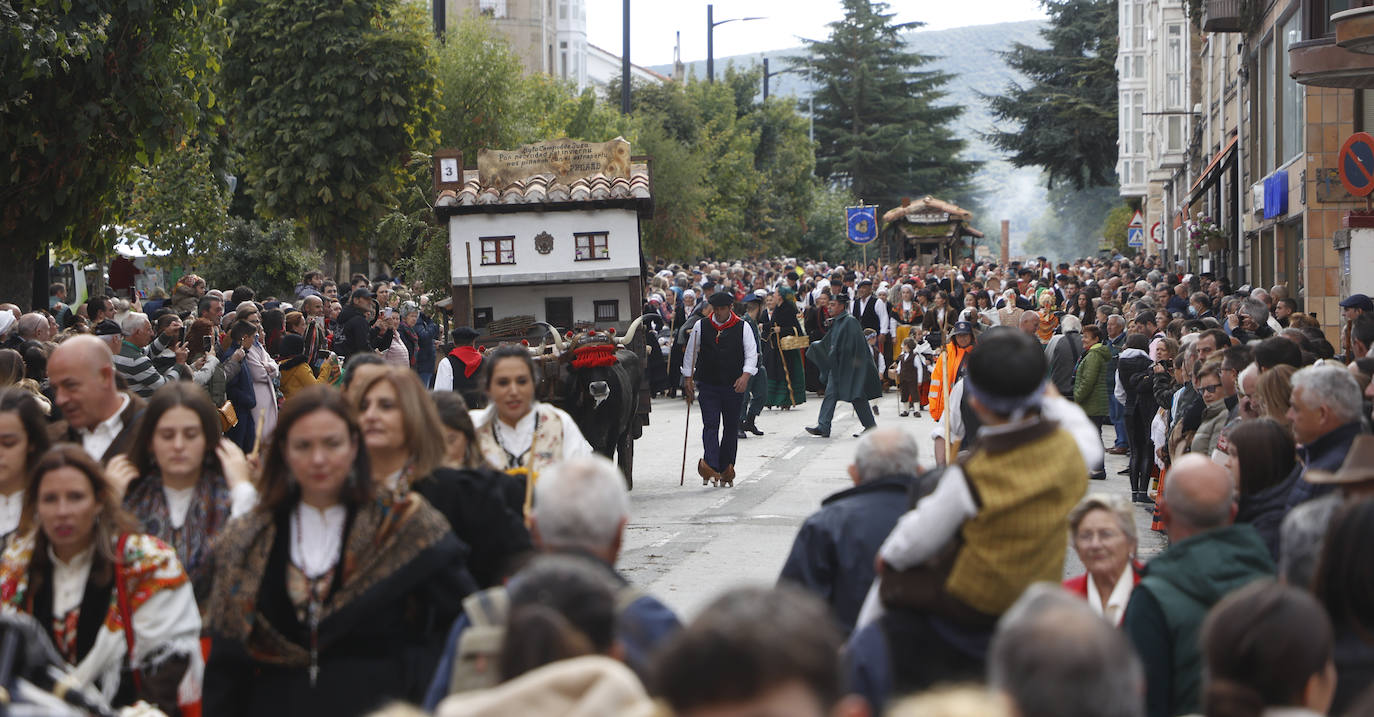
pixel 868 317
pixel 720 357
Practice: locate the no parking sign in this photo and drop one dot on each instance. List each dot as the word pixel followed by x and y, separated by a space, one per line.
pixel 1356 163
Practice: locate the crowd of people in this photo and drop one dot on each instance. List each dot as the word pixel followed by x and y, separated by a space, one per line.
pixel 220 503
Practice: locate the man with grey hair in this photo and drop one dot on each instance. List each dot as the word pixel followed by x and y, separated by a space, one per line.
pixel 134 359
pixel 1054 657
pixel 1208 557
pixel 1325 412
pixel 580 509
pixel 833 552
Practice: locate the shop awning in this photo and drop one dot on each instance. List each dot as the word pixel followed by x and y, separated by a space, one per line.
pixel 1213 170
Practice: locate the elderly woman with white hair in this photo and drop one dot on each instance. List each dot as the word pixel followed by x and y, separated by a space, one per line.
pixel 1102 532
pixel 1063 352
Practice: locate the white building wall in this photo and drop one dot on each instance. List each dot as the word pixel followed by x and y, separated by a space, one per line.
pixel 621 226
pixel 570 49
pixel 1131 90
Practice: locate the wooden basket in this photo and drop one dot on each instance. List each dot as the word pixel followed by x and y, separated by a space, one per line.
pixel 793 343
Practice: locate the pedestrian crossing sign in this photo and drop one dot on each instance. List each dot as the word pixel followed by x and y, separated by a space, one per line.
pixel 1135 236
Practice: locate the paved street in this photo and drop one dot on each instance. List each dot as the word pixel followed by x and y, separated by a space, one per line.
pixel 685 545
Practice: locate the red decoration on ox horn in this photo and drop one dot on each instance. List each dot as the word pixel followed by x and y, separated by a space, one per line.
pixel 611 331
pixel 481 349
pixel 524 342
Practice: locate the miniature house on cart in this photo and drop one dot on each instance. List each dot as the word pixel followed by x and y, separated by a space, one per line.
pixel 549 231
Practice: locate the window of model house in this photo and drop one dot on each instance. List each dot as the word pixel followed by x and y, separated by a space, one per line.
pixel 607 310
pixel 498 250
pixel 558 312
pixel 591 246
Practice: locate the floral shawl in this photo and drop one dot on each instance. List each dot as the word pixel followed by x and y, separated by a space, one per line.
pixel 207 516
pixel 166 622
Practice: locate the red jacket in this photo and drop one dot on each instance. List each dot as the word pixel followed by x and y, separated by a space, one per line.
pixel 1079 585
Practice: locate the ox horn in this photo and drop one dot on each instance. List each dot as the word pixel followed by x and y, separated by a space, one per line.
pixel 557 340
pixel 629 332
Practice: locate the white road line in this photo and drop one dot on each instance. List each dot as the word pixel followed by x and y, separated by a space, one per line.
pixel 792 453
pixel 663 541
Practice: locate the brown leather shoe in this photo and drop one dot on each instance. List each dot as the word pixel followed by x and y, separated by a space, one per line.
pixel 727 476
pixel 1118 451
pixel 707 473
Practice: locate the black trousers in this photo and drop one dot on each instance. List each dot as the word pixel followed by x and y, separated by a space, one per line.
pixel 1142 449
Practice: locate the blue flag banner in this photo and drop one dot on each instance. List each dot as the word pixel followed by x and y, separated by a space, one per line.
pixel 862 223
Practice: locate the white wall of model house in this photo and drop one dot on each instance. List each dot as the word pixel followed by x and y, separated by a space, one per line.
pixel 522 287
pixel 620 225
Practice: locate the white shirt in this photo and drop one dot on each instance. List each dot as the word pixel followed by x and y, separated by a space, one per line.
pixel 1116 602
pixel 97 440
pixel 689 357
pixel 518 439
pixel 69 580
pixel 316 538
pixel 11 507
pixel 242 498
pixel 443 375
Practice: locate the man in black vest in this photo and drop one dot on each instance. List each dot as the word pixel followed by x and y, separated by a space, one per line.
pixel 871 312
pixel 721 357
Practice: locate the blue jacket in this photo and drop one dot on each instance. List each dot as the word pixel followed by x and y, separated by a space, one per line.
pixel 641 627
pixel 1324 454
pixel 425 333
pixel 832 555
pixel 239 391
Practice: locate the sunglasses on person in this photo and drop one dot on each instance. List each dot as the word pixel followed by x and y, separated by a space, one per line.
pixel 1210 389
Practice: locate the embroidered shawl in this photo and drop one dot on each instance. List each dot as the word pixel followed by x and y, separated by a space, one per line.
pixel 166 622
pixel 209 513
pixel 384 537
pixel 545 449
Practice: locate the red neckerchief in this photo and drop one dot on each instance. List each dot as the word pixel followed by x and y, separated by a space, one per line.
pixel 470 357
pixel 734 319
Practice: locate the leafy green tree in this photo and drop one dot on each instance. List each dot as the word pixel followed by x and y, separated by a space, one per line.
pixel 270 259
pixel 88 89
pixel 479 83
pixel 776 216
pixel 329 99
pixel 1114 227
pixel 881 130
pixel 1065 118
pixel 180 203
pixel 826 236
pixel 680 192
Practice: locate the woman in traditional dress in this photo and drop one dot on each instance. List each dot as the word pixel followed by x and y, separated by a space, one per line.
pixel 814 319
pixel 1049 318
pixel 939 320
pixel 23 438
pixel 516 433
pixel 401 430
pixel 181 480
pixel 786 369
pixel 330 598
pixel 79 565
pixel 905 314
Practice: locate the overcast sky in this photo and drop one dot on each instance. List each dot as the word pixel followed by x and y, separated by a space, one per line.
pixel 655 22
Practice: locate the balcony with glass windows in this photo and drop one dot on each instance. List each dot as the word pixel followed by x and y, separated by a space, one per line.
pixel 1338 47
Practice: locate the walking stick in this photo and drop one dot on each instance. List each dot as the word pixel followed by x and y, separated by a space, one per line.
pixel 687 425
pixel 786 372
pixel 944 403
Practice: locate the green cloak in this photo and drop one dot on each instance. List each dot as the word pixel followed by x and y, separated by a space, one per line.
pixel 846 362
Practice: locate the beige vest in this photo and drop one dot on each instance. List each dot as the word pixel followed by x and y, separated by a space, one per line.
pixel 545 449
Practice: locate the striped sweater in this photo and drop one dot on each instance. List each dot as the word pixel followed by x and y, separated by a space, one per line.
pixel 136 366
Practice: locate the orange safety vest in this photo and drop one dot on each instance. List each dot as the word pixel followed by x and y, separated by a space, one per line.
pixel 946 370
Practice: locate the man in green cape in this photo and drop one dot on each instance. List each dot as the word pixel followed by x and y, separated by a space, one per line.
pixel 846 363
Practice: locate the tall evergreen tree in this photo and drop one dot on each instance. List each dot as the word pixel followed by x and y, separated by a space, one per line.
pixel 881 131
pixel 1065 117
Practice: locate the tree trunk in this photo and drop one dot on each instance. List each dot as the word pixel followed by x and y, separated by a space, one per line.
pixel 16 272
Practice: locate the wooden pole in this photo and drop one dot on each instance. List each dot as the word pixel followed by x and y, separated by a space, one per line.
pixel 472 305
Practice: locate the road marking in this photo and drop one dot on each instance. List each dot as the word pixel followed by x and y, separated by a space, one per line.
pixel 792 453
pixel 663 541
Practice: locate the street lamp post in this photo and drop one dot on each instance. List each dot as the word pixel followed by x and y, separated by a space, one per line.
pixel 710 39
pixel 767 75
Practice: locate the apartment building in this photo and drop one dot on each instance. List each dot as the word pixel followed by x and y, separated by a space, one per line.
pixel 550 36
pixel 1272 88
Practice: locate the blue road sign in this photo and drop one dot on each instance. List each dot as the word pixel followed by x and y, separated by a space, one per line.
pixel 862 223
pixel 1135 236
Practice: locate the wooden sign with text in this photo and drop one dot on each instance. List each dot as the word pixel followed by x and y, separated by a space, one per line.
pixel 568 160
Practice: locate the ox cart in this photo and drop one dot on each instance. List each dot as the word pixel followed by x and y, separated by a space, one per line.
pixel 598 378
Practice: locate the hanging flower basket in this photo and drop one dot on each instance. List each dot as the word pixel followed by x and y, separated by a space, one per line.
pixel 1205 234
